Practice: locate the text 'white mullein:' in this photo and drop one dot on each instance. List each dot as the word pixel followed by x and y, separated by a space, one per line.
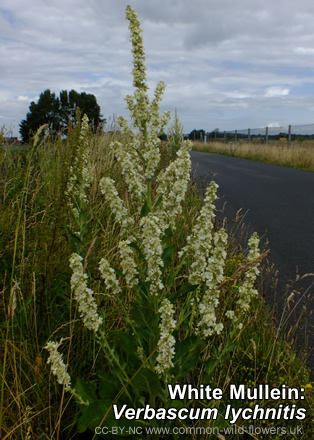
pixel 87 306
pixel 166 344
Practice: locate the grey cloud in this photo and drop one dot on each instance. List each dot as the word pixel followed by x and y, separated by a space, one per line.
pixel 222 60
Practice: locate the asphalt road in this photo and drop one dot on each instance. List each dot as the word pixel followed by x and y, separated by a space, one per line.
pixel 279 206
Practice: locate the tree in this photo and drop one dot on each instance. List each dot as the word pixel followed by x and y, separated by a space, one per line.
pixel 57 112
pixel 197 135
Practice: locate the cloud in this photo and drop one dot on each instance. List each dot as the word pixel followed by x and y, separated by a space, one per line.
pixel 24 98
pixel 276 91
pixel 225 65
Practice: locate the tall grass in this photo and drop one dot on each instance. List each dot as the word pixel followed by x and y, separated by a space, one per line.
pixel 35 279
pixel 299 155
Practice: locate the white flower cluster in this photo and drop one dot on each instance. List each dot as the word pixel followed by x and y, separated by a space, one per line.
pixel 144 114
pixel 58 367
pixel 107 186
pixel 86 175
pixel 139 75
pixel 247 290
pixel 132 169
pixel 109 276
pixel 83 295
pixel 199 243
pixel 166 342
pixel 128 263
pixel 152 248
pixel 79 174
pixel 173 183
pixel 213 277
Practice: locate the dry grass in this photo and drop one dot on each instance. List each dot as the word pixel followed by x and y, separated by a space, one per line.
pixel 300 155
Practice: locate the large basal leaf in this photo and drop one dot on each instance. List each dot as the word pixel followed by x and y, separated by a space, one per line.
pixel 167 255
pixel 86 390
pixel 187 356
pixel 146 381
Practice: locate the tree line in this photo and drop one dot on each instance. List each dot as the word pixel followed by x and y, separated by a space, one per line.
pixel 58 112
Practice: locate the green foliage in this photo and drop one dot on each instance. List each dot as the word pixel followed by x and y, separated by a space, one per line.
pixel 56 112
pixel 175 135
pixel 197 135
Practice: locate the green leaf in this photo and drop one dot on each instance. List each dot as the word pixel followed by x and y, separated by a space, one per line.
pixel 182 291
pixel 145 209
pixel 75 240
pixel 158 202
pixel 145 318
pixel 109 386
pixel 146 381
pixel 87 390
pixel 135 246
pixel 92 415
pixel 168 234
pixel 127 341
pixel 187 356
pixel 170 280
pixel 167 255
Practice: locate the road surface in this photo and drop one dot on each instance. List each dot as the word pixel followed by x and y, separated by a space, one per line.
pixel 279 206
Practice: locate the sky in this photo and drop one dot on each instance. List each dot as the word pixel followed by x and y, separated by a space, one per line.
pixel 227 65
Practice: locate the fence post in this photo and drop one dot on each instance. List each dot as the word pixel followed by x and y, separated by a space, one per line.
pixel 235 136
pixel 249 135
pixel 289 136
pixel 266 136
pixel 225 136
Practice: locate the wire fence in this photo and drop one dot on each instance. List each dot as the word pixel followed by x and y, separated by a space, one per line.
pixel 283 133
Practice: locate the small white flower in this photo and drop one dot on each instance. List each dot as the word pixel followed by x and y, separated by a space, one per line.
pixel 128 263
pixel 166 350
pixel 247 291
pixel 87 306
pixel 173 183
pixel 58 367
pixel 152 249
pixel 199 243
pixel 109 276
pixel 230 314
pixel 107 186
pixel 213 277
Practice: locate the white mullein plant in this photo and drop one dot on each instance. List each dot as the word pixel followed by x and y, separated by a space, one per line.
pixel 139 158
pixel 79 176
pixel 199 243
pixel 166 342
pixel 87 306
pixel 58 367
pixel 213 278
pixel 247 291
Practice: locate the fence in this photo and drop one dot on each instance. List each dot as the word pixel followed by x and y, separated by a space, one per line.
pixel 285 133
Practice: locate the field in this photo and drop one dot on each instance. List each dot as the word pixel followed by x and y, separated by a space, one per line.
pixel 39 233
pixel 122 295
pixel 300 155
